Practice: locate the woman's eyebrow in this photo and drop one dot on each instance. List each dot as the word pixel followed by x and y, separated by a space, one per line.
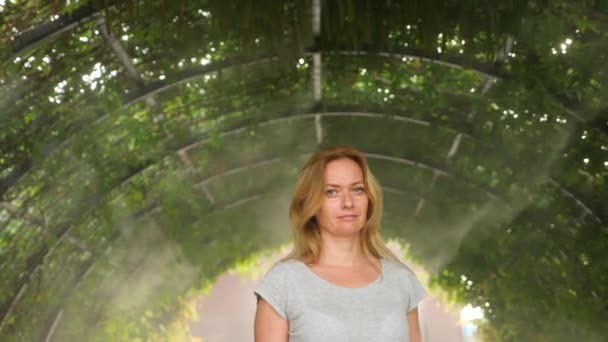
pixel 337 186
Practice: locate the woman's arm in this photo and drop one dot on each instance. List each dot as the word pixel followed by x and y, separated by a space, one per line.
pixel 268 325
pixel 414 326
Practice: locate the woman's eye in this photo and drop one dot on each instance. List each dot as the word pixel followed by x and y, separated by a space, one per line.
pixel 359 190
pixel 331 192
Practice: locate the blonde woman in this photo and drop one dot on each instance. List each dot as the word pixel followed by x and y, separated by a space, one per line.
pixel 340 282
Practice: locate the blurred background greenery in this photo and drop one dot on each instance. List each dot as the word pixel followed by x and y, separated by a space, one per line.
pixel 149 146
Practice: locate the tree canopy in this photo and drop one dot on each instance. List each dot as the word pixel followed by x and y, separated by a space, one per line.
pixel 147 146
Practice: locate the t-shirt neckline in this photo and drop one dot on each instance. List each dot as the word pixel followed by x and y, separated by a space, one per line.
pixel 327 282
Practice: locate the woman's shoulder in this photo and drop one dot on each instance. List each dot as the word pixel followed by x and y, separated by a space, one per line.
pixel 396 266
pixel 283 267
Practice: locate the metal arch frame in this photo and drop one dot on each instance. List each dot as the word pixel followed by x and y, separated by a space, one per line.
pixel 24 285
pixel 317 116
pixel 236 203
pixel 86 12
pixel 45 32
pixel 253 198
pixel 205 182
pixel 194 73
pixel 182 153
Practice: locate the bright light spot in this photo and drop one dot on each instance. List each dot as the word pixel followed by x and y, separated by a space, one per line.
pixel 460 51
pixel 606 163
pixel 17 60
pixel 470 313
pixel 204 13
pixel 463 42
pixel 301 61
pixel 125 37
pixel 96 73
pixel 472 90
pixel 568 41
pixel 408 27
pixel 46 59
pixel 363 71
pixel 193 60
pixel 586 160
pixel 379 90
pixel 439 50
pixel 161 77
pixel 386 91
pixel 553 51
pixel 563 46
pixel 59 88
pixel 205 61
pixel 51 99
pixel 84 39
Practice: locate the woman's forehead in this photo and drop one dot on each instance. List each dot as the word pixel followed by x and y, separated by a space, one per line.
pixel 342 172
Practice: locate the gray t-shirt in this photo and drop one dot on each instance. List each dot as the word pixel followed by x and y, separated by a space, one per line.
pixel 319 311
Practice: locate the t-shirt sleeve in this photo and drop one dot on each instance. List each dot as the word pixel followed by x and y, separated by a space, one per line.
pixel 417 292
pixel 273 288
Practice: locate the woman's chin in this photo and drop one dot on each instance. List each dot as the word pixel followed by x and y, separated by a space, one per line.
pixel 350 228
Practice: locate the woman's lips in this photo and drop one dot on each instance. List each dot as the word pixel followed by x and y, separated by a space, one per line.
pixel 347 217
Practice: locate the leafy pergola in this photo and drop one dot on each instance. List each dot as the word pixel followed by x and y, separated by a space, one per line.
pixel 147 146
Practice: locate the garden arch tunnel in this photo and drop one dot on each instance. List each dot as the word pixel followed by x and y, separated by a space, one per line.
pixel 135 139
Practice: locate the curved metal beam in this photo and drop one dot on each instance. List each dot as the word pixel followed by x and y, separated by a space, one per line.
pixel 45 32
pixel 579 202
pixel 192 74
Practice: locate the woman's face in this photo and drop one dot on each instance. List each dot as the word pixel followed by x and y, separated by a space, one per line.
pixel 344 208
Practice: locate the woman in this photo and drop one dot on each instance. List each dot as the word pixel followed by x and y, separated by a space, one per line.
pixel 340 282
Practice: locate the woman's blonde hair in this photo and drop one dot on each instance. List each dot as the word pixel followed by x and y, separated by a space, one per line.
pixel 308 199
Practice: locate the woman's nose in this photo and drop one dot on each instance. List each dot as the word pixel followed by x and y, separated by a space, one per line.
pixel 347 200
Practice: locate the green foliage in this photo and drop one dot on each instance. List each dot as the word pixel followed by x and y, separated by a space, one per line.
pixel 485 122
